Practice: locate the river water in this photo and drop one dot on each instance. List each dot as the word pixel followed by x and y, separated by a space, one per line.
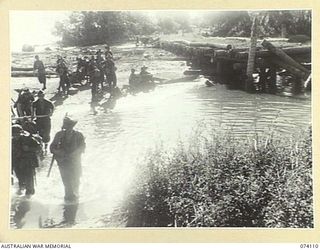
pixel 118 140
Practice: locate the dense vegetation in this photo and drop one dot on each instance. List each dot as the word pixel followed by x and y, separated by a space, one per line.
pixel 99 27
pixel 223 182
pixel 271 23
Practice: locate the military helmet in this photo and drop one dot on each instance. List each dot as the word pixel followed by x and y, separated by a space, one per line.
pixel 68 122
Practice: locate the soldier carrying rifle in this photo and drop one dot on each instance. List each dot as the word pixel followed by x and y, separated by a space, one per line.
pixel 67 147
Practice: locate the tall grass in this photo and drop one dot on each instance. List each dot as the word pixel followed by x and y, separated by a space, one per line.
pixel 224 182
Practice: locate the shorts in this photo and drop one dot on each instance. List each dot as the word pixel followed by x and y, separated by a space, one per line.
pixel 44 128
pixel 42 78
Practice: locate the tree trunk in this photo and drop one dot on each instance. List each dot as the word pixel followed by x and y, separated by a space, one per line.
pixel 285 58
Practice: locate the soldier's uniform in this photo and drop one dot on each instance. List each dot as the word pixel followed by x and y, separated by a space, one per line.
pixel 62 70
pixel 110 70
pixel 41 71
pixel 67 147
pixel 24 158
pixel 95 76
pixel 43 107
pixel 24 102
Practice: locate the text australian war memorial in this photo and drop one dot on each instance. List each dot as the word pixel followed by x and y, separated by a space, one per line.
pixel 161 119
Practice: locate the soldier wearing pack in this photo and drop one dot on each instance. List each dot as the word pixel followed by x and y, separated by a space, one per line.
pixel 110 71
pixel 24 158
pixel 62 70
pixel 24 102
pixel 67 148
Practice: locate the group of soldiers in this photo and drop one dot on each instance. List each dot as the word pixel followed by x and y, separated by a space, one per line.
pixel 142 77
pixel 30 138
pixel 99 70
pixel 32 128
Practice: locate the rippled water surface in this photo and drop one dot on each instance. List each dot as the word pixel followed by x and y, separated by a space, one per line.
pixel 118 140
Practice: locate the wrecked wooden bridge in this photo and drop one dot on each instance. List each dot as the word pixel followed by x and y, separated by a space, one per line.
pixel 275 66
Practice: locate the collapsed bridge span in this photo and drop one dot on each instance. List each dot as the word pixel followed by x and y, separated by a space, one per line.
pixel 277 62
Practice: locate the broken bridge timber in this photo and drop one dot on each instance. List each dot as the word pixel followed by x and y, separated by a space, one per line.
pixel 227 63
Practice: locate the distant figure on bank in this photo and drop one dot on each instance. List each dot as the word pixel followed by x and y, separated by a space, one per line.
pixel 145 76
pixel 40 71
pixel 62 71
pixel 110 71
pixel 144 71
pixel 99 59
pixel 133 78
pixel 43 107
pixel 61 59
pixel 67 148
pixel 95 77
pixel 24 102
pixel 81 72
pixel 100 64
pixel 24 158
pixel 108 51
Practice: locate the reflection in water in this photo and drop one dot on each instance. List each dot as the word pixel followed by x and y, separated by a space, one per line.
pixel 118 140
pixel 66 219
pixel 22 207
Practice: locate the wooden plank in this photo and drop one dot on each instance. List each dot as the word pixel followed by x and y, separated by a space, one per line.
pixel 284 57
pixel 28 74
pixel 21 69
pixel 205 44
pixel 303 52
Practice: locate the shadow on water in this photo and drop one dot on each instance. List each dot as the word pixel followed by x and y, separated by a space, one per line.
pixel 22 207
pixel 58 99
pixel 28 213
pixel 68 217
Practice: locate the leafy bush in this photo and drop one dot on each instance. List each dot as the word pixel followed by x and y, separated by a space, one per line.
pixel 100 27
pixel 223 182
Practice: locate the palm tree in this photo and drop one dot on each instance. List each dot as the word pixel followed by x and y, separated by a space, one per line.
pixel 252 51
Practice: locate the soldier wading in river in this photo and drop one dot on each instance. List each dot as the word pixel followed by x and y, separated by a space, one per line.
pixel 24 158
pixel 67 147
pixel 43 109
pixel 62 70
pixel 110 71
pixel 24 102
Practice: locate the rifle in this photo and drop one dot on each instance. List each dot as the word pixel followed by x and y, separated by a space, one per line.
pixel 12 112
pixel 51 164
pixel 52 160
